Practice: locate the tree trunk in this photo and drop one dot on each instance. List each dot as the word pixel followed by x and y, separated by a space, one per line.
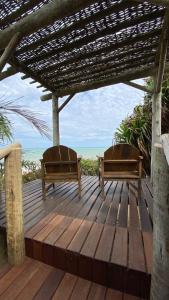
pixel 160 271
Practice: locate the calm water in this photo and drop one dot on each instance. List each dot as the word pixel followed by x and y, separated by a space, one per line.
pixel 36 154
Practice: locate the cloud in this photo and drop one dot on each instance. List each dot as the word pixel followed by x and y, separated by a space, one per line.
pixel 90 119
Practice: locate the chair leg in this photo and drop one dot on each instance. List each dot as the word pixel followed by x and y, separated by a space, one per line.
pixel 102 187
pixel 79 188
pixel 139 189
pixel 99 179
pixel 43 190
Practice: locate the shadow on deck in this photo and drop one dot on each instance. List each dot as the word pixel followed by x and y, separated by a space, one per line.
pixel 108 242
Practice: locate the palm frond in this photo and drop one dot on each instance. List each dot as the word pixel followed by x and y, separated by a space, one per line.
pixel 8 107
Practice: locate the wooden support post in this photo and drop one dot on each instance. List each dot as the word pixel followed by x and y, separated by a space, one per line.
pixel 157 97
pixel 9 50
pixel 160 270
pixel 55 116
pixel 14 206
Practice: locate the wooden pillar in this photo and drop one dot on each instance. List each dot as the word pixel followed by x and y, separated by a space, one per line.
pixel 14 206
pixel 55 119
pixel 160 270
pixel 156 124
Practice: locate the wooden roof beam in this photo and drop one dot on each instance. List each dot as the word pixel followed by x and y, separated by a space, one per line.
pixel 138 86
pixel 9 72
pixel 46 97
pixel 43 17
pixel 101 68
pixel 10 48
pixel 94 65
pixel 95 84
pixel 164 3
pixel 28 73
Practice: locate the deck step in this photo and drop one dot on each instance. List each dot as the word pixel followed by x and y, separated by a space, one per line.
pixel 116 257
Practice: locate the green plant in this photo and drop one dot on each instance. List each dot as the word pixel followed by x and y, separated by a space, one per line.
pixel 136 129
pixel 9 107
pixel 30 170
pixel 89 167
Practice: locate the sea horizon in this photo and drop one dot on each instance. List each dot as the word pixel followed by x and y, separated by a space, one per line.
pixel 35 154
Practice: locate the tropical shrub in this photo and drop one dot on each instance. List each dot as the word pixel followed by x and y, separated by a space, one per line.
pixel 136 129
pixel 89 167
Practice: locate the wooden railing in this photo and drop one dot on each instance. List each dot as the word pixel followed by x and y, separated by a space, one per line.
pixel 14 203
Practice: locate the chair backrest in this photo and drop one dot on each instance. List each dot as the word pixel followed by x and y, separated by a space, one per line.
pixel 121 152
pixel 64 160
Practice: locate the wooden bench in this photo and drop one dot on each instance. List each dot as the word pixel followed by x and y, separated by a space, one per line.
pixel 120 162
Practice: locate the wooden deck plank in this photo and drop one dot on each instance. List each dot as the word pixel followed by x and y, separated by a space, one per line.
pixel 50 285
pixel 120 248
pixel 148 248
pixel 123 209
pixel 81 289
pixel 136 258
pixel 65 288
pixel 21 281
pixel 10 276
pixel 112 294
pixel 84 236
pixel 35 283
pixel 113 212
pixel 38 281
pixel 97 292
pixel 134 221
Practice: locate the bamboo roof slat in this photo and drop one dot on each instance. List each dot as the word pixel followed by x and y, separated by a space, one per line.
pixel 106 36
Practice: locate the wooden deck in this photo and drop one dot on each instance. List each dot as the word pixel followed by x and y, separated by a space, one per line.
pixel 38 281
pixel 107 242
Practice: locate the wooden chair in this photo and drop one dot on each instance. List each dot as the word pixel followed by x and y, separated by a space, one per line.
pixel 60 164
pixel 121 162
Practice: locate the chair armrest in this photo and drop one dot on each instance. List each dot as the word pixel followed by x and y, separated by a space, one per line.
pixel 141 157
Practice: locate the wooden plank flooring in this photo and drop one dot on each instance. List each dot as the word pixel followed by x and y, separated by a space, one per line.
pixel 36 281
pixel 90 237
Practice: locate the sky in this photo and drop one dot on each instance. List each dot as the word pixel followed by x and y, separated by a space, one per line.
pixel 89 120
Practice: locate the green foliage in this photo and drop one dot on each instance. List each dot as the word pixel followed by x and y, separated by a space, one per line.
pixel 9 107
pixel 32 171
pixel 5 128
pixel 136 129
pixel 89 167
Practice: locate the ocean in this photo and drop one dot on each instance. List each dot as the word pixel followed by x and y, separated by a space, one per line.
pixel 33 154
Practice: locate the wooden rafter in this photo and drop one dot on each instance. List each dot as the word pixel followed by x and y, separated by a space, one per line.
pixel 77 24
pixel 107 49
pixel 95 84
pixel 9 50
pixel 94 65
pixel 156 2
pixel 107 73
pixel 103 69
pixel 9 72
pixel 90 38
pixel 44 16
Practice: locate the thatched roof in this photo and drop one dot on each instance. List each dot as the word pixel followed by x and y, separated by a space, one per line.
pixel 106 42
